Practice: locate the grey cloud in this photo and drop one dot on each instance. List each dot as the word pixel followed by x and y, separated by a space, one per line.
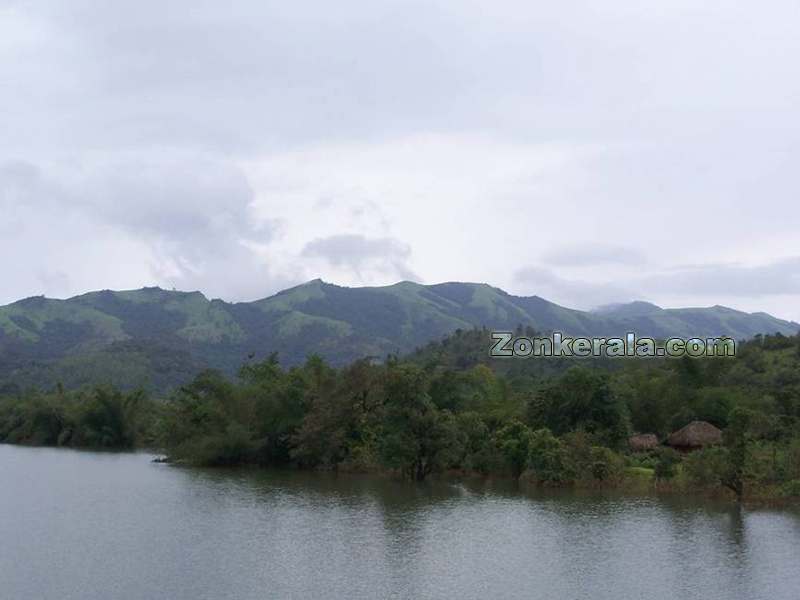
pixel 22 183
pixel 193 214
pixel 193 201
pixel 582 255
pixel 778 278
pixel 16 176
pixel 692 133
pixel 196 215
pixel 261 72
pixel 781 277
pixel 267 74
pixel 570 292
pixel 357 253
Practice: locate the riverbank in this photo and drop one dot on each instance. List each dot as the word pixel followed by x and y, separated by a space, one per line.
pixel 632 481
pixel 433 413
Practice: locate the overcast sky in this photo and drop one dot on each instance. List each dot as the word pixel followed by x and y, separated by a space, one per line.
pixel 585 152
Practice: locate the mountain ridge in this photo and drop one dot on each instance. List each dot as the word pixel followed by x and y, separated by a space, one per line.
pixel 158 338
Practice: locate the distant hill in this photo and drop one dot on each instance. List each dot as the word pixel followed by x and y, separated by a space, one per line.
pixel 688 322
pixel 158 338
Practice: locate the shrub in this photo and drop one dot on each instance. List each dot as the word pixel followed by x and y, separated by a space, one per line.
pixel 666 461
pixel 229 447
pixel 791 466
pixel 791 488
pixel 548 457
pixel 514 443
pixel 605 464
pixel 706 468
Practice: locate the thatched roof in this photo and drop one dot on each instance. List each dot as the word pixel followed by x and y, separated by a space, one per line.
pixel 695 435
pixel 642 442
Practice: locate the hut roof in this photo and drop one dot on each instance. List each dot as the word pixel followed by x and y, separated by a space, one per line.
pixel 643 441
pixel 695 435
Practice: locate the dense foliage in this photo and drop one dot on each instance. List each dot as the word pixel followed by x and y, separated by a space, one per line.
pixel 103 418
pixel 449 407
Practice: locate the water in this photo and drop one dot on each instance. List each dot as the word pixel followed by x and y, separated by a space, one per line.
pixel 99 526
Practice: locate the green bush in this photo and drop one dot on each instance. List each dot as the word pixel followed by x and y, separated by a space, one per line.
pixel 791 488
pixel 229 447
pixel 706 467
pixel 666 461
pixel 548 458
pixel 791 459
pixel 514 444
pixel 605 464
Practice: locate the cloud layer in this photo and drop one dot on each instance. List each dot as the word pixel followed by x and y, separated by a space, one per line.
pixel 583 154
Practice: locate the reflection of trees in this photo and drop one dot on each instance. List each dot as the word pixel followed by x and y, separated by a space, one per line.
pixel 708 543
pixel 367 533
pixel 736 529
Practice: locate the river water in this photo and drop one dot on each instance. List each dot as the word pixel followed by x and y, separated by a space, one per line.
pixel 87 525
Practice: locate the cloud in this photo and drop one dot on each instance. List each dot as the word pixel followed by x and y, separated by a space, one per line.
pixel 183 199
pixel 583 255
pixel 570 292
pixel 270 75
pixel 195 213
pixel 193 216
pixel 710 281
pixel 359 254
pixel 17 177
pixel 50 246
pixel 780 277
pixel 601 145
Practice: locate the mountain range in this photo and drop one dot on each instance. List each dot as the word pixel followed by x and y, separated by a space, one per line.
pixel 159 339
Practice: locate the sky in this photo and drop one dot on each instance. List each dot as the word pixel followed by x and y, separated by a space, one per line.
pixel 585 152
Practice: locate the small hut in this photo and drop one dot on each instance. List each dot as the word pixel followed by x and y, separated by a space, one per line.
pixel 696 435
pixel 643 442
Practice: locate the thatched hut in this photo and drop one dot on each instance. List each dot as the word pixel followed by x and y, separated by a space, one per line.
pixel 643 442
pixel 697 434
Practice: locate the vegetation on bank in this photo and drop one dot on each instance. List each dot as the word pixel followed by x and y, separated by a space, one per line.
pixel 101 418
pixel 449 407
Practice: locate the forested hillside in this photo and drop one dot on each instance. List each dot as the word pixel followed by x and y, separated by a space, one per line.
pixel 158 339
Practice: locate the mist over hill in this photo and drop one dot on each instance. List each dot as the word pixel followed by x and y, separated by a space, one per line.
pixel 159 339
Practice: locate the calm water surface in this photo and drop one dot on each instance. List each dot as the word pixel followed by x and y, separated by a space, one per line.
pixel 92 526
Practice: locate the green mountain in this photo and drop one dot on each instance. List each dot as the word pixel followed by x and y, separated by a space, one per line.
pixel 158 338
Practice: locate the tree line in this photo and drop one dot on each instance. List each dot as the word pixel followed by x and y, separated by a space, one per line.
pixel 450 408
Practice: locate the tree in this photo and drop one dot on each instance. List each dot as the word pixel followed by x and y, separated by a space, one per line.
pixel 736 439
pixel 666 461
pixel 514 442
pixel 477 451
pixel 107 419
pixel 548 457
pixel 279 401
pixel 208 422
pixel 581 398
pixel 341 412
pixel 416 437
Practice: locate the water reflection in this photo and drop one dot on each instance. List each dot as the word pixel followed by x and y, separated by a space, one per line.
pixel 82 525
